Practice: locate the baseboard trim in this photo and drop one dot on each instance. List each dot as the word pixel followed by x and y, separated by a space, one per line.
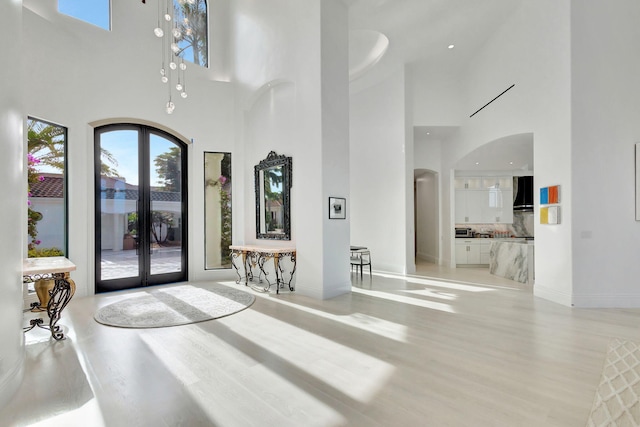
pixel 552 295
pixel 426 257
pixel 606 301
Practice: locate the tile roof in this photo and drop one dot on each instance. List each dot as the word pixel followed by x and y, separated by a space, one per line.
pixel 52 186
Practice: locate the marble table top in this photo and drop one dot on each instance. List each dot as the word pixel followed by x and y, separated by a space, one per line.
pixel 55 264
pixel 262 249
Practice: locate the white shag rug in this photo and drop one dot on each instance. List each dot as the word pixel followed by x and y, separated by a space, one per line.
pixel 617 400
pixel 172 306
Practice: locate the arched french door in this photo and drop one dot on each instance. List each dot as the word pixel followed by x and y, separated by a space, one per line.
pixel 141 207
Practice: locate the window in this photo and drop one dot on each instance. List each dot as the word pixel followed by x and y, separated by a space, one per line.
pixel 217 207
pixel 47 198
pixel 191 16
pixel 95 12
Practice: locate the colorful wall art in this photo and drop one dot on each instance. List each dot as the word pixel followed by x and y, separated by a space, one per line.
pixel 550 196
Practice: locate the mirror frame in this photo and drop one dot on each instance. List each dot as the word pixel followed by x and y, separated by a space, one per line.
pixel 272 160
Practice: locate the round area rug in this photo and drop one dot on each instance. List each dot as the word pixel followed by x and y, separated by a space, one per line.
pixel 172 306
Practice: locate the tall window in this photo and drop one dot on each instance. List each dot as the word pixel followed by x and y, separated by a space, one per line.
pixel 95 12
pixel 192 18
pixel 217 208
pixel 46 175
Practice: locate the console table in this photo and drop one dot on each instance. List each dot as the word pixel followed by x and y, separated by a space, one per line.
pixel 56 269
pixel 253 256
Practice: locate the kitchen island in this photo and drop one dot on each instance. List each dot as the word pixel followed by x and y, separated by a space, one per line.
pixel 512 259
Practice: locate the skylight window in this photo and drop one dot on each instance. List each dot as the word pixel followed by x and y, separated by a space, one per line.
pixel 95 12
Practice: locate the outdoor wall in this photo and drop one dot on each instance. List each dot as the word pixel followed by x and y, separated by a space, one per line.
pixel 49 230
pixel 92 77
pixel 14 201
pixel 605 126
pixel 378 173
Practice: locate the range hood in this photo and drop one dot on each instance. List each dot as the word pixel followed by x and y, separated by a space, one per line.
pixel 523 190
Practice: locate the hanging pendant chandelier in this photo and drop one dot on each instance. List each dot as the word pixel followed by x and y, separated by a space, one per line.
pixel 171 29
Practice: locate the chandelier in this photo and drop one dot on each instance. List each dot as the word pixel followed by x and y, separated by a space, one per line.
pixel 171 27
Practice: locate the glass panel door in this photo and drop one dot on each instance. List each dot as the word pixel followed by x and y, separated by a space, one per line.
pixel 118 253
pixel 140 208
pixel 165 227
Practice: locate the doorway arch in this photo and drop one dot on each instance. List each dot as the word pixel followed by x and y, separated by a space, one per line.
pixel 140 207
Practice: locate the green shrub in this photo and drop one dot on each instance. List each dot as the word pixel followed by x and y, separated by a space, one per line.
pixel 45 252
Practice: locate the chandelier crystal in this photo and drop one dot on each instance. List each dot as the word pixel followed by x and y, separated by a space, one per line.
pixel 170 32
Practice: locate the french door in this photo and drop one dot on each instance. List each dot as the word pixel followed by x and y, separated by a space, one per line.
pixel 141 207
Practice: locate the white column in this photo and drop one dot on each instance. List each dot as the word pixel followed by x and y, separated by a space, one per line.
pixel 321 166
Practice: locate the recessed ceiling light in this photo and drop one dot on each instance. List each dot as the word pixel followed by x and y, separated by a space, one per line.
pixel 510 163
pixel 477 163
pixel 451 46
pixel 428 133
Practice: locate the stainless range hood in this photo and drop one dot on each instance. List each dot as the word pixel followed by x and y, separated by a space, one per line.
pixel 523 193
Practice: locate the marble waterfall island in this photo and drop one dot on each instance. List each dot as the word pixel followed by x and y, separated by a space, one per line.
pixel 512 259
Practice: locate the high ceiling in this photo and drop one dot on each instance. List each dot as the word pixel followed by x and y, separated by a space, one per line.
pixel 422 30
pixel 385 34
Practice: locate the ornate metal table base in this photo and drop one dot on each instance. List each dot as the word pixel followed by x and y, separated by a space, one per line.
pixel 255 256
pixel 59 297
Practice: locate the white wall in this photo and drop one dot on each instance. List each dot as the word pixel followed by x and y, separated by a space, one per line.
pixel 605 125
pixel 378 173
pixel 14 202
pixel 291 69
pixel 79 76
pixel 427 217
pixel 427 154
pixel 438 94
pixel 532 50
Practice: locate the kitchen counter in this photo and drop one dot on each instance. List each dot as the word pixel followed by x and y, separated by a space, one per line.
pixel 512 258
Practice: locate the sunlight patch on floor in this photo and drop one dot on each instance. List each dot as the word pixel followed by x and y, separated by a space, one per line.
pixel 242 384
pixel 365 322
pixel 431 293
pixel 354 373
pixel 87 415
pixel 437 283
pixel 432 305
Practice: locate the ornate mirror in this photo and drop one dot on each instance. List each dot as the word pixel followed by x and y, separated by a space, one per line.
pixel 273 184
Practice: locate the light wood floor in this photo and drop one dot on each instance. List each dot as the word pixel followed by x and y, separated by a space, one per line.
pixel 397 351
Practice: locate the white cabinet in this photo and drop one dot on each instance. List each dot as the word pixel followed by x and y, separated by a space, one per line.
pixel 469 206
pixel 472 251
pixel 484 200
pixel 502 182
pixel 485 250
pixel 499 208
pixel 468 182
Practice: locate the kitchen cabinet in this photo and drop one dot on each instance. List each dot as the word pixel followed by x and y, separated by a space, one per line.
pixel 469 206
pixel 502 182
pixel 469 182
pixel 484 200
pixel 485 252
pixel 472 251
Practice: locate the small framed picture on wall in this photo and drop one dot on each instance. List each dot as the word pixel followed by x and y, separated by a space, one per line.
pixel 337 208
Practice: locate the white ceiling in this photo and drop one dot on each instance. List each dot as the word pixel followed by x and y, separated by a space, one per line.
pixel 421 31
pixel 511 153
